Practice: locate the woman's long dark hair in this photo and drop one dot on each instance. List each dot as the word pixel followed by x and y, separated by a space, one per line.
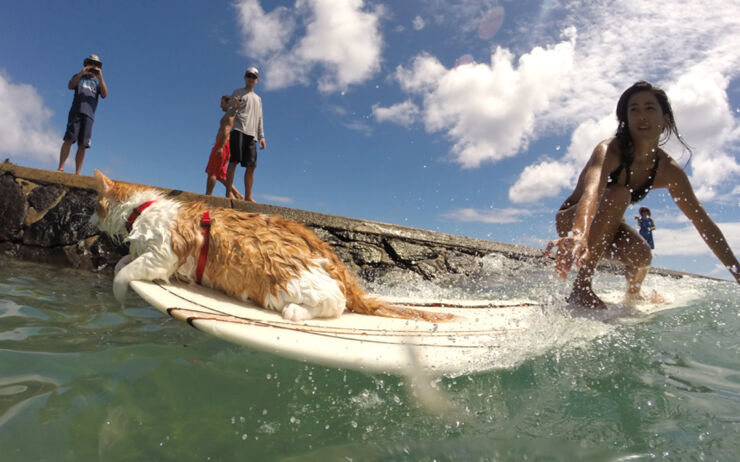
pixel 623 130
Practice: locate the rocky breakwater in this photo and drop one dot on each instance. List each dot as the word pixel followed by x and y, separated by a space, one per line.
pixel 44 216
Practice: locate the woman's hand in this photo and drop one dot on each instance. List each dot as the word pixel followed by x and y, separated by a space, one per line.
pixel 570 249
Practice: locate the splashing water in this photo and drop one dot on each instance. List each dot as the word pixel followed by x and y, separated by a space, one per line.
pixel 553 325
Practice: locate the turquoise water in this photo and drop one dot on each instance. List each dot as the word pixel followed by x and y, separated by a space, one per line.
pixel 83 379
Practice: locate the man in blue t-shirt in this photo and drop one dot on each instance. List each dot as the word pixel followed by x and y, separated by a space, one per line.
pixel 88 84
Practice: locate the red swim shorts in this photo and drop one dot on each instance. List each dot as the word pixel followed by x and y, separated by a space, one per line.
pixel 218 162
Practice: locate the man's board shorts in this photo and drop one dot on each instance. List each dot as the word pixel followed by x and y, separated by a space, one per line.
pixel 218 162
pixel 79 129
pixel 243 149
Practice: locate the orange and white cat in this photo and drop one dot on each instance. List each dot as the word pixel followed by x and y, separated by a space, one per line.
pixel 277 263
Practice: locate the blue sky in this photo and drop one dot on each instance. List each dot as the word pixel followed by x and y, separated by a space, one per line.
pixel 472 119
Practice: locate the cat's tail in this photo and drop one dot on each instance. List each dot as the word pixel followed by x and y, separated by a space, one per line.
pixel 365 304
pixel 358 301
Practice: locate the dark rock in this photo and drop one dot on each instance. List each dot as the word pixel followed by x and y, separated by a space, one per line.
pixel 461 263
pixel 13 207
pixel 105 252
pixel 325 235
pixel 410 252
pixel 9 249
pixel 42 197
pixel 432 268
pixel 66 223
pixel 354 236
pixel 367 254
pixel 382 272
pixel 345 256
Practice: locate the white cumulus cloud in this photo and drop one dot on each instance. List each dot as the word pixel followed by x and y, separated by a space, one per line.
pixel 543 179
pixel 278 199
pixel 702 110
pixel 687 242
pixel 338 41
pixel 24 123
pixel 405 113
pixel 499 216
pixel 547 178
pixel 488 110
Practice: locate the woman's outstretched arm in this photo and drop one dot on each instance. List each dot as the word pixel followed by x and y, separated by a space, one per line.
pixel 682 193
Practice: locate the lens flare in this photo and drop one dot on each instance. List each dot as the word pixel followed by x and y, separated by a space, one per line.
pixel 491 23
pixel 464 59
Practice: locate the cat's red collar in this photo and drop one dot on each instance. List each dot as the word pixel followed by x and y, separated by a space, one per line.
pixel 205 223
pixel 135 214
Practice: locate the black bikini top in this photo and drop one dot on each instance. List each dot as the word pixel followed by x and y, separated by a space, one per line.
pixel 638 194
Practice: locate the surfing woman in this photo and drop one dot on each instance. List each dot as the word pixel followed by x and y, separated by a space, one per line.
pixel 620 172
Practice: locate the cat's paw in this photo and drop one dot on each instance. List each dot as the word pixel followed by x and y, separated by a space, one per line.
pixel 120 287
pixel 122 262
pixel 293 312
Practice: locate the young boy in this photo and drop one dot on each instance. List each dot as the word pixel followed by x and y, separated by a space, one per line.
pixel 220 154
pixel 88 84
pixel 646 225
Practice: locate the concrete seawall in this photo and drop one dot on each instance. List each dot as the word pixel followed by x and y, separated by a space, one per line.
pixel 44 217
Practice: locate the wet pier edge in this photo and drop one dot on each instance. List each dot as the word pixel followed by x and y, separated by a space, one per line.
pixel 44 216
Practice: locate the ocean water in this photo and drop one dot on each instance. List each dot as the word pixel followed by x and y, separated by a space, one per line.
pixel 82 379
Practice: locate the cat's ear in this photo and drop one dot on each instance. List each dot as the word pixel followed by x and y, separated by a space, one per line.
pixel 103 183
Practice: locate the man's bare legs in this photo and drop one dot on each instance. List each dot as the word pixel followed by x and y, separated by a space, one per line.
pixel 248 182
pixel 231 191
pixel 210 184
pixel 64 154
pixel 79 159
pixel 229 183
pixel 234 192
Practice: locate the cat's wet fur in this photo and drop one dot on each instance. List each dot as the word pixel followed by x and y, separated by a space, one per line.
pixel 277 263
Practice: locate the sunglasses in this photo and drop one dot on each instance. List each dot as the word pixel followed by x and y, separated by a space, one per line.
pixel 250 76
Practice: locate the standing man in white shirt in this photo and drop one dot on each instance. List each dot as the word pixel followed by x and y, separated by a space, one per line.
pixel 247 132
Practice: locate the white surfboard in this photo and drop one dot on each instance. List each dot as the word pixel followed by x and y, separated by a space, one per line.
pixel 355 341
